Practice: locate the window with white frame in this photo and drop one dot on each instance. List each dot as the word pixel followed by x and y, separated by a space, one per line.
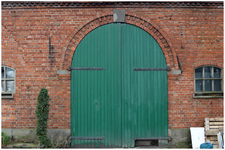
pixel 208 82
pixel 8 82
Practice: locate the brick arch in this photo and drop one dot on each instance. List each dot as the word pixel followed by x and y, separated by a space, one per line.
pixel 207 62
pixel 144 23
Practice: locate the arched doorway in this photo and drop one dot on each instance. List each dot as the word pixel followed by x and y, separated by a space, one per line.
pixel 118 88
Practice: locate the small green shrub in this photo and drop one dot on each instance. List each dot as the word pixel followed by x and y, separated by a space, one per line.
pixel 5 139
pixel 42 112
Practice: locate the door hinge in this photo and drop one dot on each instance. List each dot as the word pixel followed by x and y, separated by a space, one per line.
pixel 85 68
pixel 151 69
pixel 87 138
pixel 154 138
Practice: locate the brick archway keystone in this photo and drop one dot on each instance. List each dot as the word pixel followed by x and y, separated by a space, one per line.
pixel 102 19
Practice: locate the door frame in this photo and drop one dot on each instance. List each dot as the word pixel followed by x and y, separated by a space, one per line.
pixel 161 54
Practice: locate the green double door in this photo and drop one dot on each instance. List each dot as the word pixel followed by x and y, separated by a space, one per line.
pixel 116 97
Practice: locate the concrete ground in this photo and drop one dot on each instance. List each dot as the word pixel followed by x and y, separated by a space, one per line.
pixel 35 146
pixel 22 145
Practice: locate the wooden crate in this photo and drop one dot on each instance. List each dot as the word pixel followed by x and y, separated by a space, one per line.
pixel 212 128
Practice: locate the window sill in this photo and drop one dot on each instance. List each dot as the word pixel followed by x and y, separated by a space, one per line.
pixel 207 96
pixel 7 95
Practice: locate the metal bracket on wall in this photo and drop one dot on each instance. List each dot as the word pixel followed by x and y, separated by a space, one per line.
pixel 151 69
pixel 179 64
pixel 50 48
pixel 85 68
pixel 87 138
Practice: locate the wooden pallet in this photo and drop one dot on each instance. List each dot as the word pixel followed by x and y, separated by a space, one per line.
pixel 212 128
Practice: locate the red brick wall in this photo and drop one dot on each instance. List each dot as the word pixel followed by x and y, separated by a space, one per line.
pixel 196 36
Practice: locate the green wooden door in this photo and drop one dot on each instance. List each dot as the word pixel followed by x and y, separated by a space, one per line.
pixel 113 106
pixel 96 94
pixel 144 93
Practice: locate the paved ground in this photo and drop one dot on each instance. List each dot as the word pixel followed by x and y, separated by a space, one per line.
pixel 34 146
pixel 22 145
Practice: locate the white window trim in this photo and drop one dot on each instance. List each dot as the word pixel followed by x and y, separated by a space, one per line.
pixel 210 92
pixel 9 94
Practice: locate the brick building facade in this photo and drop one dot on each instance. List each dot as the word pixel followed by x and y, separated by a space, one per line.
pixel 191 32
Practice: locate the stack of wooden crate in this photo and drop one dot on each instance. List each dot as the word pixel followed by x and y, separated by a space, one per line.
pixel 212 128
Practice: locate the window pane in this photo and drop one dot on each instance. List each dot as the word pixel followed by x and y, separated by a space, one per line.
pixel 3 86
pixel 198 73
pixel 199 85
pixel 208 85
pixel 208 72
pixel 217 85
pixel 9 85
pixel 10 73
pixel 217 72
pixel 3 70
